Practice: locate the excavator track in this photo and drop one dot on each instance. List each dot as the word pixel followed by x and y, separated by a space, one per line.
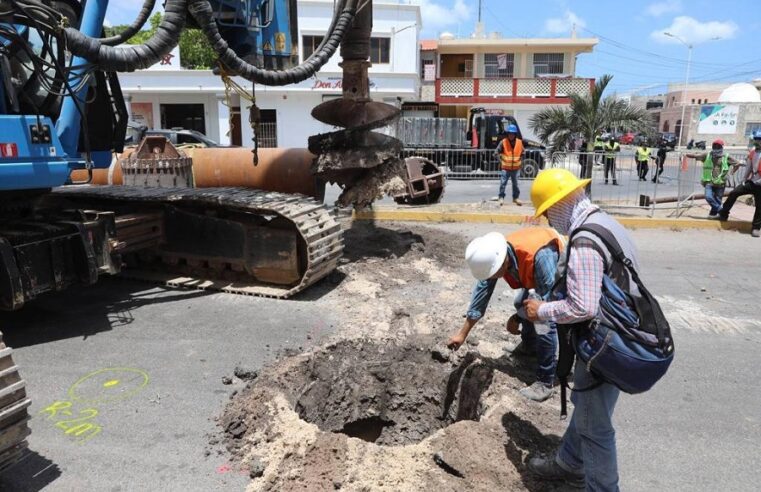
pixel 14 404
pixel 317 227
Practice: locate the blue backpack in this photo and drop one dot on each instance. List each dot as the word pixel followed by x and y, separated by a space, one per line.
pixel 629 344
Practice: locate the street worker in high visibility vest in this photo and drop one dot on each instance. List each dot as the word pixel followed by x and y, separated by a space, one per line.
pixel 751 186
pixel 599 143
pixel 642 156
pixel 527 260
pixel 611 148
pixel 715 170
pixel 510 151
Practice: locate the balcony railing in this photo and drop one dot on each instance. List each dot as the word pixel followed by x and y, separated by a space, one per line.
pixel 537 90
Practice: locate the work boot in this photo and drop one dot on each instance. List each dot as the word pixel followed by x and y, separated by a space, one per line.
pixel 615 183
pixel 606 181
pixel 517 202
pixel 548 469
pixel 537 392
pixel 723 216
pixel 501 201
pixel 755 233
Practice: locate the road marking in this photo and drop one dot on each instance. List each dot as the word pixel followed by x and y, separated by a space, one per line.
pixel 685 314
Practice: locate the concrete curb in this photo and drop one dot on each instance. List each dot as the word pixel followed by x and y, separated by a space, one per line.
pixel 511 218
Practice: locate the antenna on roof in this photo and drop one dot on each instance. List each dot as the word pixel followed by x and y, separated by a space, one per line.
pixel 479 11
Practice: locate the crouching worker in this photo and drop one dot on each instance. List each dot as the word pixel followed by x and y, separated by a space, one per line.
pixel 527 259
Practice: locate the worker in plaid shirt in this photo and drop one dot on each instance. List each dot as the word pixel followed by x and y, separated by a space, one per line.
pixel 587 454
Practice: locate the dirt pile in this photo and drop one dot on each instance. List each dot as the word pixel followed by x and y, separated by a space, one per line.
pixel 383 404
pixel 385 415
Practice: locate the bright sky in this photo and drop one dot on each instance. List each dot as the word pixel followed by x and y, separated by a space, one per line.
pixel 632 45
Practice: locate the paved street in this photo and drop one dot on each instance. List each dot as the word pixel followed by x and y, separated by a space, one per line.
pixel 697 430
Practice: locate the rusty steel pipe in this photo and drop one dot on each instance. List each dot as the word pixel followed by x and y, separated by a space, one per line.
pixel 279 169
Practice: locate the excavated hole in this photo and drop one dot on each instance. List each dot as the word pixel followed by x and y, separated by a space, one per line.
pixel 388 393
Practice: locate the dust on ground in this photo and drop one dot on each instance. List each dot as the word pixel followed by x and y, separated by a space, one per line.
pixel 383 404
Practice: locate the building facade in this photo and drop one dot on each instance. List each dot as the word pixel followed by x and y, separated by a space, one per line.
pixel 517 77
pixel 712 111
pixel 167 96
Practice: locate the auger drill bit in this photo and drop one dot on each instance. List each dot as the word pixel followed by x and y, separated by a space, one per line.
pixel 367 165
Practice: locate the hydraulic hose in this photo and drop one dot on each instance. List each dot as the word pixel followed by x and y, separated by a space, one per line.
pixel 134 28
pixel 130 58
pixel 202 13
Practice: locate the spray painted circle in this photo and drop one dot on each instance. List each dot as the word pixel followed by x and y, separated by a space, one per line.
pixel 107 385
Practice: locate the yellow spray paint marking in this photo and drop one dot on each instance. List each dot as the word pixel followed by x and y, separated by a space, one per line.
pixel 108 385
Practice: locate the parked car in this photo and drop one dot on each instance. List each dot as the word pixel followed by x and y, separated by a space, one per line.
pixel 669 138
pixel 627 138
pixel 177 136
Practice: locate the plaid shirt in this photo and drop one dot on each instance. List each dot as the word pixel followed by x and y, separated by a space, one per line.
pixel 585 268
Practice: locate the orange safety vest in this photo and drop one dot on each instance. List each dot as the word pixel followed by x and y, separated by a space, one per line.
pixel 526 243
pixel 511 156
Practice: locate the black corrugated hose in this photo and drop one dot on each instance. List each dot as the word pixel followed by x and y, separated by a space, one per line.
pixel 130 58
pixel 134 28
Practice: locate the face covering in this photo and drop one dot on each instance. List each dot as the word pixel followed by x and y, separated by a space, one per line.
pixel 717 152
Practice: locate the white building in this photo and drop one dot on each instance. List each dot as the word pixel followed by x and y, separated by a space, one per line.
pixel 167 96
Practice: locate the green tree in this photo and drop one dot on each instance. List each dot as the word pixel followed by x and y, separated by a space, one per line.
pixel 589 115
pixel 196 52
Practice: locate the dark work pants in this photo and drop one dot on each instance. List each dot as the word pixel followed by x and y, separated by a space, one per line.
pixel 610 167
pixel 747 188
pixel 642 169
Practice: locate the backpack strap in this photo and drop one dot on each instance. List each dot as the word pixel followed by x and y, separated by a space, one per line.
pixel 646 308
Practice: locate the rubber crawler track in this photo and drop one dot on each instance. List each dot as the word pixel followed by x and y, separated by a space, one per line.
pixel 315 223
pixel 14 404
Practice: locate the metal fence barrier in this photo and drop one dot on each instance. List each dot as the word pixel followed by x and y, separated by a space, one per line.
pixel 461 163
pixel 675 185
pixel 676 188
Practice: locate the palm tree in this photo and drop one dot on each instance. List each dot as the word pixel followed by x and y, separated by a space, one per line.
pixel 588 115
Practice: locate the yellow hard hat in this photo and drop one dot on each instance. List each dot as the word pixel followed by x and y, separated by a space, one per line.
pixel 551 186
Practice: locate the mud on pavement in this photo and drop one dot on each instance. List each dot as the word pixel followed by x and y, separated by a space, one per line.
pixel 383 404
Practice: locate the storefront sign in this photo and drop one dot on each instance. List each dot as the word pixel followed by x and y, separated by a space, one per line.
pixel 170 61
pixel 718 119
pixel 334 83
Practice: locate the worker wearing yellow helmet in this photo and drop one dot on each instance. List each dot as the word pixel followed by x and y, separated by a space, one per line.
pixel 587 453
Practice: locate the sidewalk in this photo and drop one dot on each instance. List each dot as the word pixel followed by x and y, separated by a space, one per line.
pixel 694 217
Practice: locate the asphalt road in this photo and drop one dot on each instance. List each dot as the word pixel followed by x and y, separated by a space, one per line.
pixel 146 426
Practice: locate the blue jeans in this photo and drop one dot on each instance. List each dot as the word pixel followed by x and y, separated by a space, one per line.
pixel 589 443
pixel 545 344
pixel 714 195
pixel 504 176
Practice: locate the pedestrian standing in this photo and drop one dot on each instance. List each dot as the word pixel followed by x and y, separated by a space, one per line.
pixel 642 156
pixel 599 143
pixel 585 159
pixel 611 148
pixel 510 151
pixel 751 186
pixel 660 159
pixel 587 453
pixel 526 259
pixel 715 170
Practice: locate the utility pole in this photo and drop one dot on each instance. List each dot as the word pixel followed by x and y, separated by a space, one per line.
pixel 479 11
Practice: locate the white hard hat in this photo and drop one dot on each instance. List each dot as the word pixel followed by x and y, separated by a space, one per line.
pixel 486 254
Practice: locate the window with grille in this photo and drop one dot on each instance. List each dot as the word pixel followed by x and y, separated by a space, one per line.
pixel 380 49
pixel 548 63
pixel 498 65
pixel 309 45
pixel 751 127
pixel 427 70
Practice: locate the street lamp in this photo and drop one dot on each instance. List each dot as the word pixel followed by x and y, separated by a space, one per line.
pixel 686 77
pixel 686 80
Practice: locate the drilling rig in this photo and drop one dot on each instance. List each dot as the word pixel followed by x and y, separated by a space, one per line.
pixel 62 112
